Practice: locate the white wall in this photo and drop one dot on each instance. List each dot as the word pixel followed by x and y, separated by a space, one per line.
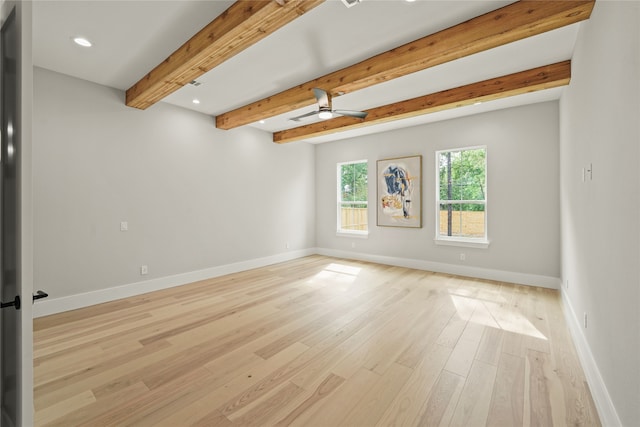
pixel 600 115
pixel 195 197
pixel 523 195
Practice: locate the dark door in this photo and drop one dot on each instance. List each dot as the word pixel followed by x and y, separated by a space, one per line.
pixel 10 343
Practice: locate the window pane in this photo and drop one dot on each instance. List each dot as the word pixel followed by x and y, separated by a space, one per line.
pixel 352 191
pixel 353 183
pixel 354 216
pixel 462 175
pixel 462 220
pixel 447 161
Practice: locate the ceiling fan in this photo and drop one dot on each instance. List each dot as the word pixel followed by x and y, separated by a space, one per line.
pixel 324 108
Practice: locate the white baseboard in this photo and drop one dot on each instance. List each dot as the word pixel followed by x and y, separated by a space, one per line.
pixel 606 411
pixel 72 302
pixel 460 270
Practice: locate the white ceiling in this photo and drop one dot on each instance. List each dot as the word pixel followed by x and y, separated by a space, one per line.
pixel 132 37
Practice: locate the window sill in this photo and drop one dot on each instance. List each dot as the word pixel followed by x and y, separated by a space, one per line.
pixel 356 234
pixel 466 243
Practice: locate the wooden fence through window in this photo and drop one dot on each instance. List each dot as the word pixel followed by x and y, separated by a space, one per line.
pixel 466 223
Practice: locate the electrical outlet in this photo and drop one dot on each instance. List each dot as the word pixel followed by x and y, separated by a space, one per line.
pixel 463 257
pixel 286 245
pixel 353 244
pixel 124 226
pixel 144 270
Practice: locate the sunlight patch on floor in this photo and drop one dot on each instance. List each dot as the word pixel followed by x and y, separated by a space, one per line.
pixel 494 316
pixel 344 269
pixel 338 274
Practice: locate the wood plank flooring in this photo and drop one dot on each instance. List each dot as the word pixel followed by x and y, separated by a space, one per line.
pixel 316 341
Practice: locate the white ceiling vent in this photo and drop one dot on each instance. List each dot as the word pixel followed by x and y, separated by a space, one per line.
pixel 350 3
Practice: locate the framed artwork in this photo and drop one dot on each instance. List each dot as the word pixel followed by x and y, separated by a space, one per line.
pixel 399 192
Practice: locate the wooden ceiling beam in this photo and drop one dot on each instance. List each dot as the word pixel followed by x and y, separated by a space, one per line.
pixel 546 77
pixel 243 24
pixel 513 22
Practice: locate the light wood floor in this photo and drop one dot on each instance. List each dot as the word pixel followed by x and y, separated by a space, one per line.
pixel 315 342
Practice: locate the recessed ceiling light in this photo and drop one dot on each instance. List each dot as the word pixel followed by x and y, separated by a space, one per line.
pixel 261 122
pixel 410 1
pixel 81 41
pixel 477 103
pixel 196 101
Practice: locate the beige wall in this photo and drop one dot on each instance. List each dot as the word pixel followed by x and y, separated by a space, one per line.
pixel 194 196
pixel 600 114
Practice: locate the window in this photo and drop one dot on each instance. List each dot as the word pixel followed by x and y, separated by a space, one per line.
pixel 352 197
pixel 462 196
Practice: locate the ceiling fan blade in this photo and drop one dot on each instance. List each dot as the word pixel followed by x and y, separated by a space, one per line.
pixel 297 118
pixel 350 113
pixel 322 97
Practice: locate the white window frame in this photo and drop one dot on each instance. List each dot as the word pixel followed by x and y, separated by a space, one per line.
pixel 472 242
pixel 339 230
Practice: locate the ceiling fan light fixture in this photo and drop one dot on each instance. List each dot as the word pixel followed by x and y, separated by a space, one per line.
pixel 324 110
